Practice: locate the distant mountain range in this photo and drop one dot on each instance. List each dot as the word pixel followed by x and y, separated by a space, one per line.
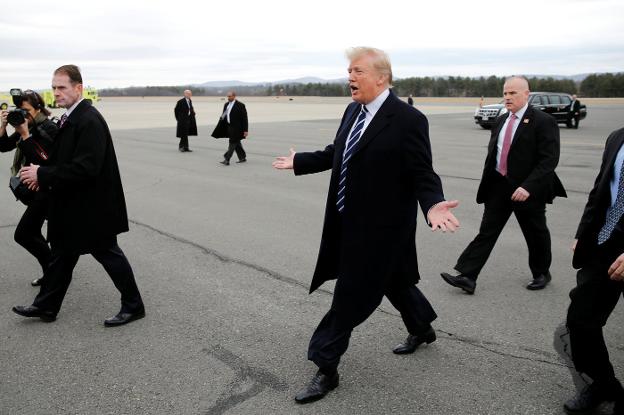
pixel 304 80
pixel 315 80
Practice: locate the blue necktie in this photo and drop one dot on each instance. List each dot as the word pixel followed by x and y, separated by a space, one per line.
pixel 353 139
pixel 614 213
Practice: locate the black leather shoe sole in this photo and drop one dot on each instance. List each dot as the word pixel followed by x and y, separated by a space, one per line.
pixel 125 318
pixel 242 161
pixel 46 316
pixel 451 280
pixel 308 396
pixel 539 284
pixel 36 282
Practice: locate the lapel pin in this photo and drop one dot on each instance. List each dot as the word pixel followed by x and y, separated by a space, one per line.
pixel 526 121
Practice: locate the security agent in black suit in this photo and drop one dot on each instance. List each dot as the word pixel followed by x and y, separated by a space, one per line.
pixel 575 111
pixel 186 123
pixel 87 206
pixel 234 125
pixel 382 170
pixel 519 177
pixel 599 256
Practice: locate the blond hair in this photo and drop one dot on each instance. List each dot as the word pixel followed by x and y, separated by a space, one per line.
pixel 381 61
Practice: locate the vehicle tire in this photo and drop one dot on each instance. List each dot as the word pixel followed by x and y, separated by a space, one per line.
pixel 486 127
pixel 4 106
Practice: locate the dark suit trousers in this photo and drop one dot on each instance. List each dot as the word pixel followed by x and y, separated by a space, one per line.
pixel 28 232
pixel 593 300
pixel 235 145
pixel 331 338
pixel 59 277
pixel 184 145
pixel 531 216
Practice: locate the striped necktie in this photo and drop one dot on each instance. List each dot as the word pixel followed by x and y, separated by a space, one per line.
pixel 63 119
pixel 614 213
pixel 353 139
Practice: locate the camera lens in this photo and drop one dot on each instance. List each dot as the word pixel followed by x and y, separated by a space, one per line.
pixel 16 117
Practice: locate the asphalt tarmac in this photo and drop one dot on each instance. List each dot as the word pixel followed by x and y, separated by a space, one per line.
pixel 224 256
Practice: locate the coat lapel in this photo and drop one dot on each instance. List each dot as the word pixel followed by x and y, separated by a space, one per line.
pixel 377 124
pixel 343 131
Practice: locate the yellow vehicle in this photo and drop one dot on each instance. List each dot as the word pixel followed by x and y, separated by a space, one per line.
pixel 88 93
pixel 5 101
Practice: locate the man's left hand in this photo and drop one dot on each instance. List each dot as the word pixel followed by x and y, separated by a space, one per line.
pixel 520 195
pixel 616 270
pixel 440 216
pixel 28 175
pixel 245 134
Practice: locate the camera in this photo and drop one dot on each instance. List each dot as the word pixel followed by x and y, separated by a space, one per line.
pixel 17 116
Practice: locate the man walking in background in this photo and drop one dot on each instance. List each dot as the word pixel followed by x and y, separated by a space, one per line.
pixel 233 124
pixel 87 206
pixel 519 177
pixel 185 116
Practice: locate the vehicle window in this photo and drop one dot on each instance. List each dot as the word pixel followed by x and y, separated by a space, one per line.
pixel 566 100
pixel 537 100
pixel 555 99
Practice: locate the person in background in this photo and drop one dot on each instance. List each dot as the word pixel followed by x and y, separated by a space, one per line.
pixel 32 142
pixel 186 123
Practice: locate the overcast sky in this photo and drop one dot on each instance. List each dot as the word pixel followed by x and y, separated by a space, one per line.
pixel 140 42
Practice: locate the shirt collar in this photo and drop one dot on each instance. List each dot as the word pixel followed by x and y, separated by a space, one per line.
pixel 375 104
pixel 73 107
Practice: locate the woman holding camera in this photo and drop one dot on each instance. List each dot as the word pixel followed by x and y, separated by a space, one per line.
pixel 32 142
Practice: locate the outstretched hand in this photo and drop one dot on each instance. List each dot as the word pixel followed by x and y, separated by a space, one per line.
pixel 440 216
pixel 285 162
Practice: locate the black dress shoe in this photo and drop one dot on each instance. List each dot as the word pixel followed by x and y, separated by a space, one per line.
pixel 591 398
pixel 539 282
pixel 414 340
pixel 181 150
pixel 242 161
pixel 188 150
pixel 123 318
pixel 319 386
pixel 460 281
pixel 225 162
pixel 32 311
pixel 36 282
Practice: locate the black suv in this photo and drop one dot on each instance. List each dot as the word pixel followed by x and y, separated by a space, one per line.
pixel 554 103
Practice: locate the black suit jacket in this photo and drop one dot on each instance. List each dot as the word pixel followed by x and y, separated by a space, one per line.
pixel 598 202
pixel 187 125
pixel 87 205
pixel 238 123
pixel 533 156
pixel 389 174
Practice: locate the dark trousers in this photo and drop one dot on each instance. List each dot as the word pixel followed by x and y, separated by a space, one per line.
pixel 184 145
pixel 593 300
pixel 235 145
pixel 531 216
pixel 59 277
pixel 575 121
pixel 331 338
pixel 28 232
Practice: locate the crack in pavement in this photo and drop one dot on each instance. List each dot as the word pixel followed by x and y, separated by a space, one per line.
pixel 450 176
pixel 488 346
pixel 239 390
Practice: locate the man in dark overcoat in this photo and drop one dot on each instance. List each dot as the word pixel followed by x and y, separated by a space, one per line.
pixel 599 256
pixel 382 170
pixel 233 124
pixel 185 117
pixel 518 177
pixel 87 205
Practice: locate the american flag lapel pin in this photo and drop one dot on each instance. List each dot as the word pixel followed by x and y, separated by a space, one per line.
pixel 526 121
